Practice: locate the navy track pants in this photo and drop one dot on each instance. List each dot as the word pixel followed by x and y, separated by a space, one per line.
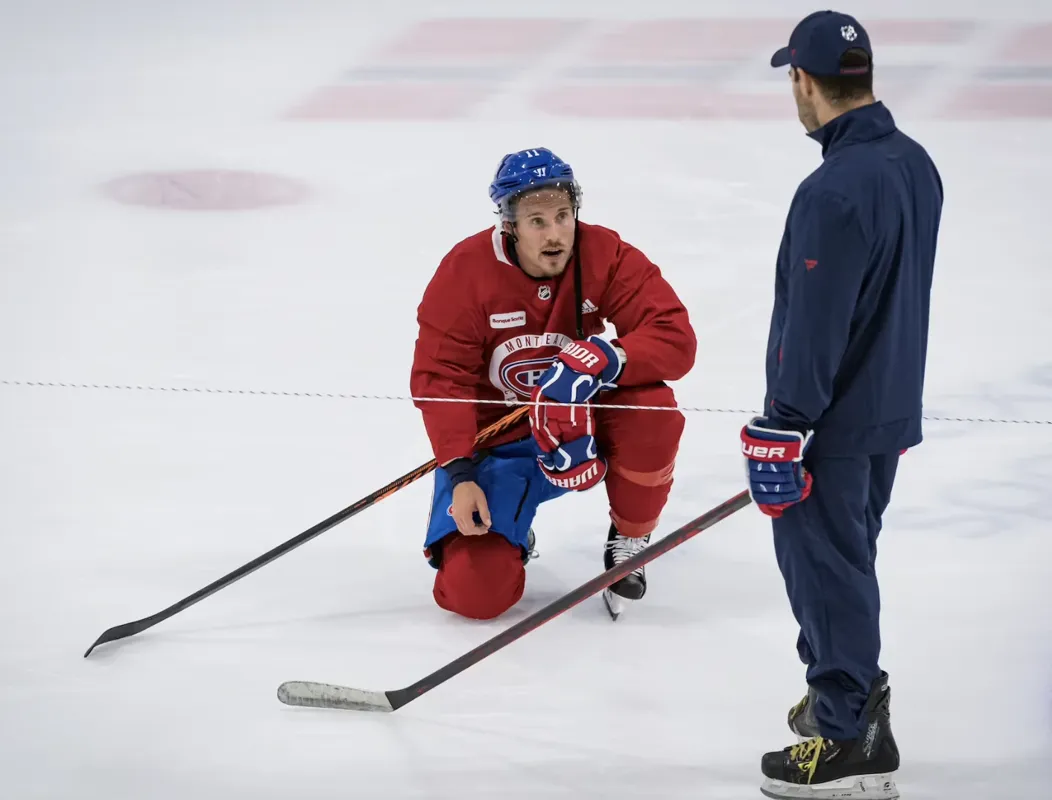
pixel 827 548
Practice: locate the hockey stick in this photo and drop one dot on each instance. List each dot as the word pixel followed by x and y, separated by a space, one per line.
pixel 323 695
pixel 138 626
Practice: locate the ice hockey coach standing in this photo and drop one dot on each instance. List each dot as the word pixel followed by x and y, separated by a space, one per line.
pixel 845 373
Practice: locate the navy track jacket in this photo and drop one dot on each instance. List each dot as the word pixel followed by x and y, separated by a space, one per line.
pixel 849 331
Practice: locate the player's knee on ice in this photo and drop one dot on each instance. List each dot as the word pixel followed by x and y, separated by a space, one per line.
pixel 480 577
pixel 641 447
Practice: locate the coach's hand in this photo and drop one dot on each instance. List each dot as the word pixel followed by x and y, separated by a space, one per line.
pixel 470 509
pixel 774 460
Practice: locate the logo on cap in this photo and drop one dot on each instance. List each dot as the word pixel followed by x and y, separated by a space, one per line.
pixel 849 33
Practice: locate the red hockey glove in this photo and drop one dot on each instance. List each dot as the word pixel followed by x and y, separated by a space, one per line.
pixel 565 436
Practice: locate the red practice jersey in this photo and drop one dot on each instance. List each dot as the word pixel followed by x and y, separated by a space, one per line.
pixel 488 330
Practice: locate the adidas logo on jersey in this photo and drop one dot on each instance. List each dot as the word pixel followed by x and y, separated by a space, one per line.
pixel 588 307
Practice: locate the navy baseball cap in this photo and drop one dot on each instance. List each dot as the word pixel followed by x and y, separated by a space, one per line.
pixel 820 40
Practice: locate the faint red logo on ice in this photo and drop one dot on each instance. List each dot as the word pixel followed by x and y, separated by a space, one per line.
pixel 206 190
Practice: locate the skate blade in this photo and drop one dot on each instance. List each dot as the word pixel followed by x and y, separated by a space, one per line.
pixel 615 604
pixel 880 786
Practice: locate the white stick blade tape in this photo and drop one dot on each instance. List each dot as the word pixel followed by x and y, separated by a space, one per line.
pixel 324 695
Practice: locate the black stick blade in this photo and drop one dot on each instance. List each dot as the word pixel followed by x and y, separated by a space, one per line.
pixel 125 630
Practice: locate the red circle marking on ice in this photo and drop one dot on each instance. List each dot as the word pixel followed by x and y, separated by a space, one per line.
pixel 206 190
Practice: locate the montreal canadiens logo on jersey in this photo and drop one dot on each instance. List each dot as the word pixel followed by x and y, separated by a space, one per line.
pixel 522 376
pixel 518 362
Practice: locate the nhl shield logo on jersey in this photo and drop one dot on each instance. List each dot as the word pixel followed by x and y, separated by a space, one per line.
pixel 518 362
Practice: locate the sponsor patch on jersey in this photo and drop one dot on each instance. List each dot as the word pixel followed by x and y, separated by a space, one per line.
pixel 516 319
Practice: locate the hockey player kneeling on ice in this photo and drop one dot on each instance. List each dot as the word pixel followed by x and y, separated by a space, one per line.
pixel 513 313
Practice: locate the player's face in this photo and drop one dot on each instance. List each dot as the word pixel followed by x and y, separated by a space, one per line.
pixel 544 231
pixel 804 91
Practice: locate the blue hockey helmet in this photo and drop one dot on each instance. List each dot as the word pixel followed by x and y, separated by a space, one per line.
pixel 527 170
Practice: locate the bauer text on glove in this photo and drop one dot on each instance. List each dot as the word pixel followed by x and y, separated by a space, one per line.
pixel 774 461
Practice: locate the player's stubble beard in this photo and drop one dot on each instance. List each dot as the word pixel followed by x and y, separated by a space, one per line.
pixel 538 265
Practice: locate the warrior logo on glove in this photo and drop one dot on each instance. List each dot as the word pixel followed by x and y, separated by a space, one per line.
pixel 581 370
pixel 591 474
pixel 565 433
pixel 587 357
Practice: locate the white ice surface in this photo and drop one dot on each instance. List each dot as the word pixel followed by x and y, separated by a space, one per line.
pixel 114 504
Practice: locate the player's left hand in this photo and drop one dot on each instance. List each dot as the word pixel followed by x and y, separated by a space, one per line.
pixel 774 459
pixel 580 370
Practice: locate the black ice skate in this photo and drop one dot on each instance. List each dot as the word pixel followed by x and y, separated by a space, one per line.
pixel 801 718
pixel 855 768
pixel 633 586
pixel 530 552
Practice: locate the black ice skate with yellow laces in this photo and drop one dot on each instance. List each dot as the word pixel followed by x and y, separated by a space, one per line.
pixel 824 768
